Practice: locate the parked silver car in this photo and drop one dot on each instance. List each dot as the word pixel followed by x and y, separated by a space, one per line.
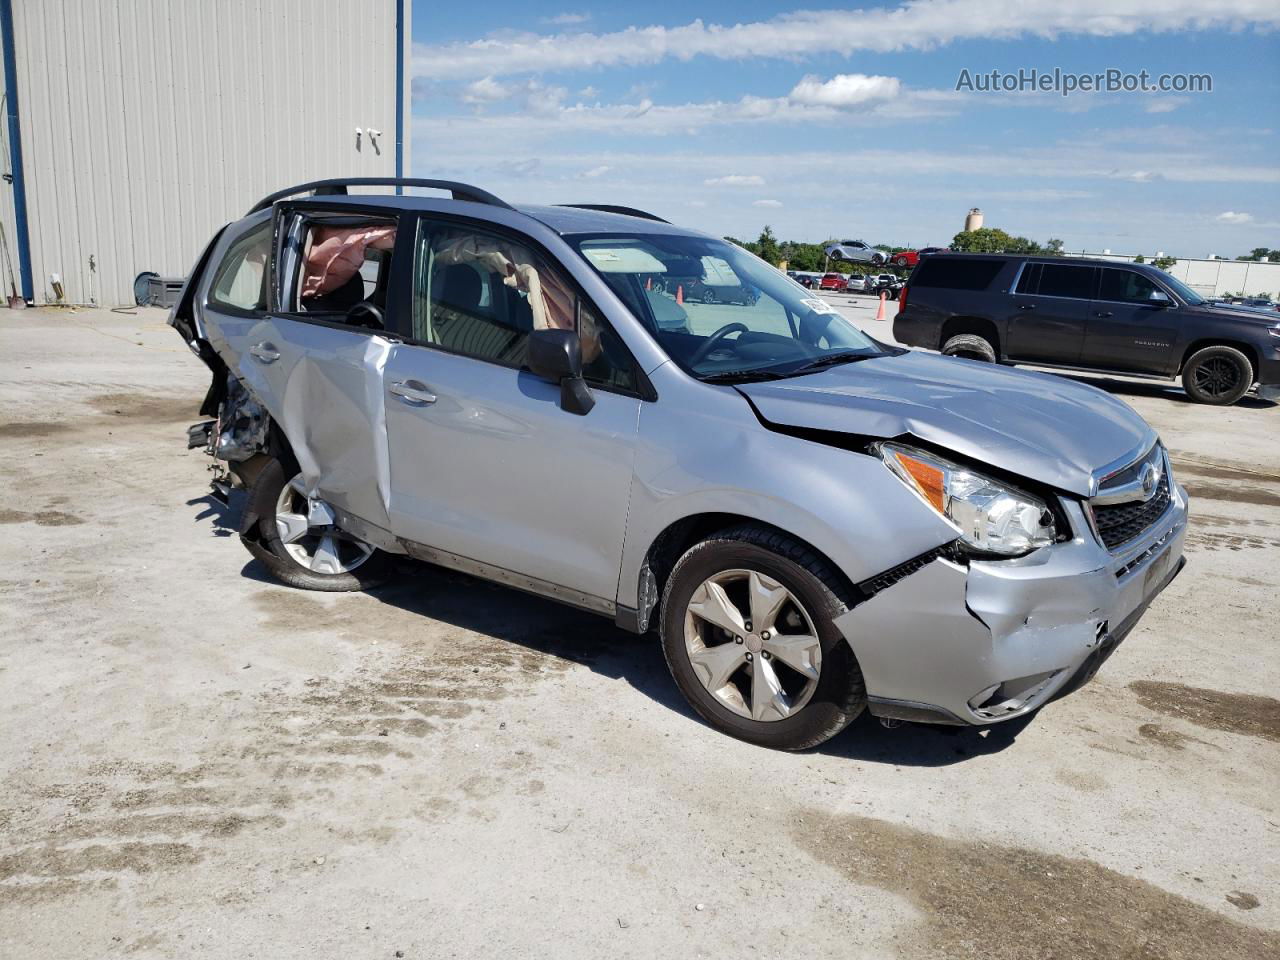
pixel 855 251
pixel 814 522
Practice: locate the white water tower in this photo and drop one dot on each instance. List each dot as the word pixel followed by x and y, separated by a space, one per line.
pixel 973 221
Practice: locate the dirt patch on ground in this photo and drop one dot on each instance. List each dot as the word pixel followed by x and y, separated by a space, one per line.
pixel 1245 901
pixel 147 406
pixel 1009 903
pixel 1226 494
pixel 31 428
pixel 1217 471
pixel 1170 739
pixel 43 518
pixel 1229 541
pixel 1249 714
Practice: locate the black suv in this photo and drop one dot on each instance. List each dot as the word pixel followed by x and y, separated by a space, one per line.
pixel 1094 315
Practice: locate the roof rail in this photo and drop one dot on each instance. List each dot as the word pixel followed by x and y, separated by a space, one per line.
pixel 460 191
pixel 610 208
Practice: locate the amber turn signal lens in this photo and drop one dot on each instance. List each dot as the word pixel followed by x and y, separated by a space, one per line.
pixel 929 480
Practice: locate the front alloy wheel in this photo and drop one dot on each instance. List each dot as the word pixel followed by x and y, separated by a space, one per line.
pixel 752 645
pixel 748 630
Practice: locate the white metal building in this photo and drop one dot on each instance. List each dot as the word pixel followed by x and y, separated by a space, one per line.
pixel 135 128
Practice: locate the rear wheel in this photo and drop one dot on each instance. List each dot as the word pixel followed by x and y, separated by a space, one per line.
pixel 1218 375
pixel 709 296
pixel 972 346
pixel 748 632
pixel 297 544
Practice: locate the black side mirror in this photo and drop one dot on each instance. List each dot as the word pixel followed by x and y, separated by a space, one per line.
pixel 1159 298
pixel 556 356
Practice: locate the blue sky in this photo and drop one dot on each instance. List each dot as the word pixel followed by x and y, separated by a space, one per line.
pixel 846 121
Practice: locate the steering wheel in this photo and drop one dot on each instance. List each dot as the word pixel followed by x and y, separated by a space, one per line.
pixel 366 314
pixel 714 340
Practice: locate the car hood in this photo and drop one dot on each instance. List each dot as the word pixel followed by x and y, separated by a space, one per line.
pixel 1035 425
pixel 1263 316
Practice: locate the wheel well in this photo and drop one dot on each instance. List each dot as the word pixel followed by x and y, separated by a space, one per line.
pixel 1244 348
pixel 958 325
pixel 671 544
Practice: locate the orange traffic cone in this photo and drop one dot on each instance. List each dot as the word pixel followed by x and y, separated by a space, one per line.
pixel 680 294
pixel 648 283
pixel 880 310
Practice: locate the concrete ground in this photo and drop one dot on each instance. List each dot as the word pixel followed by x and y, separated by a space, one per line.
pixel 200 763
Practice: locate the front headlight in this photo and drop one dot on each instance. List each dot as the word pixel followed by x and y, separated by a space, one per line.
pixel 988 515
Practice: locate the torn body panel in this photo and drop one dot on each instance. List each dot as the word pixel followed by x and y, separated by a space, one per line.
pixel 992 640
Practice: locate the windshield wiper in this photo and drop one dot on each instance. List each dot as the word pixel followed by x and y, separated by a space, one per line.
pixel 831 360
pixel 742 376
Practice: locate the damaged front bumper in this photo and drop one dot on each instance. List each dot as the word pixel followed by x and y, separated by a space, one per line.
pixel 987 641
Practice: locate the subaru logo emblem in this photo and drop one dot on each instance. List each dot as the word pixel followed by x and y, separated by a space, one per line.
pixel 1150 477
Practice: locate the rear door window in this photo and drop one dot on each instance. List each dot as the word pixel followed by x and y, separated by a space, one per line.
pixel 1063 280
pixel 332 263
pixel 956 273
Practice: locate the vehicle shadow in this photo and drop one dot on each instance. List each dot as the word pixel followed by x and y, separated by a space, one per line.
pixel 1152 388
pixel 224 518
pixel 577 636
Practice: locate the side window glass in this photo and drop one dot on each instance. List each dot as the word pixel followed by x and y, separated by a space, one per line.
pixel 1029 282
pixel 1059 280
pixel 240 282
pixel 1126 286
pixel 481 295
pixel 344 262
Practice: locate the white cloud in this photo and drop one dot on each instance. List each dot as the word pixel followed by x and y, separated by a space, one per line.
pixel 1231 216
pixel 766 203
pixel 567 19
pixel 485 90
pixel 735 180
pixel 1165 104
pixel 594 172
pixel 541 99
pixel 915 25
pixel 1135 176
pixel 589 92
pixel 845 90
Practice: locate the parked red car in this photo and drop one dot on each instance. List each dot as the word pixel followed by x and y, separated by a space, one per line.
pixel 833 281
pixel 909 258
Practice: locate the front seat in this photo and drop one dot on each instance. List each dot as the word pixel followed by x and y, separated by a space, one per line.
pixel 459 323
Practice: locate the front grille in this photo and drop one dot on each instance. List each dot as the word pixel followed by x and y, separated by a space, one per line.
pixel 1118 523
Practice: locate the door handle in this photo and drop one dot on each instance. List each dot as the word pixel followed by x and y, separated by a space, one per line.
pixel 1026 306
pixel 413 393
pixel 1102 313
pixel 265 352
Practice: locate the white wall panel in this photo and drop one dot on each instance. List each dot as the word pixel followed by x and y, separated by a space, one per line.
pixel 147 124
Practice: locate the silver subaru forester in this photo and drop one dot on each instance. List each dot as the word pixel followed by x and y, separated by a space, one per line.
pixel 650 423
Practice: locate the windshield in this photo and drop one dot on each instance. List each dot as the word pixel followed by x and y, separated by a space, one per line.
pixel 1182 290
pixel 720 312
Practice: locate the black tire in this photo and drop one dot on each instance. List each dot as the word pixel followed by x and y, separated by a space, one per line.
pixel 709 296
pixel 899 261
pixel 260 536
pixel 839 696
pixel 1217 375
pixel 972 346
